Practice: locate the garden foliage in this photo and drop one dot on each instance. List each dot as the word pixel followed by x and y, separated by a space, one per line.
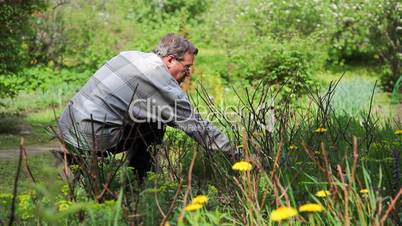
pixel 344 168
pixel 302 145
pixel 259 39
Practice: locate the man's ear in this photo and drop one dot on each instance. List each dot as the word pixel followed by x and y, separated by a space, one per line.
pixel 170 58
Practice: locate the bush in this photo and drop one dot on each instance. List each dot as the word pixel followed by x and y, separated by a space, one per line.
pixel 286 65
pixel 40 78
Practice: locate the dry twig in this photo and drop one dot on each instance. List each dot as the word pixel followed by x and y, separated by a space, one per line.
pixel 391 207
pixel 189 176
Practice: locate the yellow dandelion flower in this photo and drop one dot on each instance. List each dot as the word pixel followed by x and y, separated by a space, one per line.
pixel 320 130
pixel 200 199
pixel 283 213
pixel 311 207
pixel 193 207
pixel 292 147
pixel 242 166
pixel 322 193
pixel 398 132
pixel 364 191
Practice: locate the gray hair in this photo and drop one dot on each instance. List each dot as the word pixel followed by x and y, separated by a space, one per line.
pixel 176 45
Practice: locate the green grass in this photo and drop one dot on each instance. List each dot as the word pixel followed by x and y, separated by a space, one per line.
pixel 354 90
pixel 333 72
pixel 36 109
pixel 27 102
pixel 39 121
pixel 39 164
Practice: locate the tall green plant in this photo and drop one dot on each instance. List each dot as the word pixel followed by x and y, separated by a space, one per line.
pixel 288 66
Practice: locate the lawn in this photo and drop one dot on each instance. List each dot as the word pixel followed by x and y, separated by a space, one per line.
pixel 40 165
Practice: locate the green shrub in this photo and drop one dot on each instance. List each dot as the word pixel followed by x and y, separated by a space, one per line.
pixel 285 65
pixel 42 79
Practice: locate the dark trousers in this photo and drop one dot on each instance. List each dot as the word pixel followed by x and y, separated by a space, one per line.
pixel 136 140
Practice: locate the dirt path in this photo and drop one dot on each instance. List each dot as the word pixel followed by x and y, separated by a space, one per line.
pixel 31 150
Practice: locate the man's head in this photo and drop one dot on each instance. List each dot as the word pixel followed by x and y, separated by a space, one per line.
pixel 178 55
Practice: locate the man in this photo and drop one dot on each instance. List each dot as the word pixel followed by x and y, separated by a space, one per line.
pixel 126 103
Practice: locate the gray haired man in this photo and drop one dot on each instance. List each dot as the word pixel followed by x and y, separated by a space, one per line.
pixel 126 104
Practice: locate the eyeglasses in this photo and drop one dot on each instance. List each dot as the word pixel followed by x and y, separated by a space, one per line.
pixel 187 67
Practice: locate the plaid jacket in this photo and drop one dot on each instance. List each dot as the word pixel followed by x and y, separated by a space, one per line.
pixel 132 87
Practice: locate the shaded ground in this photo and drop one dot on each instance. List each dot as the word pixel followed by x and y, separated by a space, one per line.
pixel 31 150
pixel 33 126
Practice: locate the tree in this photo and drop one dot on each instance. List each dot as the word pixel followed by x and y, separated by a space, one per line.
pixel 15 31
pixel 386 36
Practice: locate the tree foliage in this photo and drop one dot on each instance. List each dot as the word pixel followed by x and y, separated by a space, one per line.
pixel 15 31
pixel 272 40
pixel 386 36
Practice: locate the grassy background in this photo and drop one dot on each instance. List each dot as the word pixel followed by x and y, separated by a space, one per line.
pixel 40 165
